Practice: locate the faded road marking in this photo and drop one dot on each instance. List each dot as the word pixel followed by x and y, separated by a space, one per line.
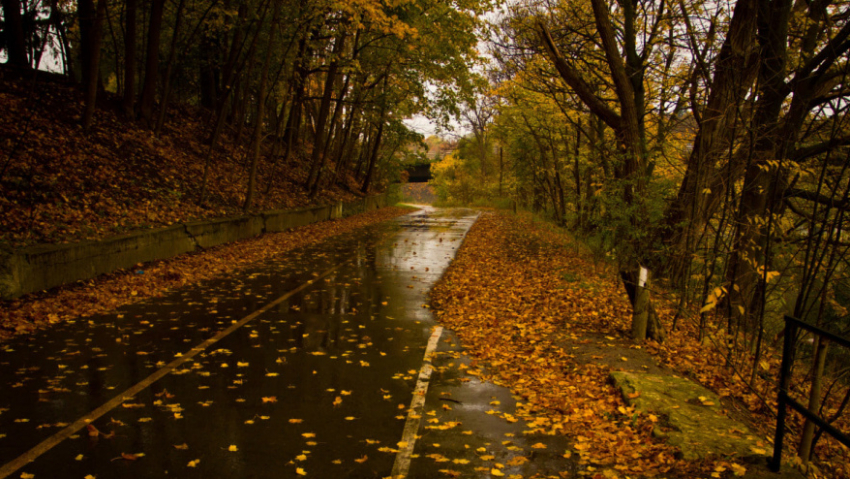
pixel 44 446
pixel 402 459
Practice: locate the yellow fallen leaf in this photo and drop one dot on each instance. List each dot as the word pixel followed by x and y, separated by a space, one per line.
pixel 233 448
pixel 362 459
pixel 300 472
pixel 518 461
pixel 402 444
pixel 296 421
pixel 25 475
pixel 301 457
pixel 539 445
pixel 738 469
pixel 496 472
pixel 308 435
pixel 194 463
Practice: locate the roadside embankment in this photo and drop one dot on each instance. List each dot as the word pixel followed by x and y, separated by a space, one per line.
pixel 110 291
pixel 41 267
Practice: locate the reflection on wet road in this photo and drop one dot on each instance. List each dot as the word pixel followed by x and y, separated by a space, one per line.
pixel 316 385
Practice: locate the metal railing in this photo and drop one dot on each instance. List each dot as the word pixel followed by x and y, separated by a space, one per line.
pixel 791 326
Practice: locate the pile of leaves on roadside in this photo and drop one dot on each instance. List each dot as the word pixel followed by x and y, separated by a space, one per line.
pixel 521 295
pixel 108 292
pixel 59 184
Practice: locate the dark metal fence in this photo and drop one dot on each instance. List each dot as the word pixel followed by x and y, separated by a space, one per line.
pixel 792 325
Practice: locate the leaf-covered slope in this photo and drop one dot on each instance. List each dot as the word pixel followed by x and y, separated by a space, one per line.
pixel 58 184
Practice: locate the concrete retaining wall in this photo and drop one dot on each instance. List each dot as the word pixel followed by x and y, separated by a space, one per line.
pixel 41 267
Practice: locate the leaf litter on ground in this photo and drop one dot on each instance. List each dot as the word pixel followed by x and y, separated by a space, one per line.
pixel 524 299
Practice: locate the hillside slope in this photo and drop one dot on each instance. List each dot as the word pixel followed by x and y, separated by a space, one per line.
pixel 58 184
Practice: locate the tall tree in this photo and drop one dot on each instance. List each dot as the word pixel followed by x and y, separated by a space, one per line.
pixel 257 137
pixel 13 34
pixel 129 100
pixel 92 75
pixel 628 124
pixel 148 97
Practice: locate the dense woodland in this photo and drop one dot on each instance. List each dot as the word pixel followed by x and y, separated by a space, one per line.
pixel 706 142
pixel 322 86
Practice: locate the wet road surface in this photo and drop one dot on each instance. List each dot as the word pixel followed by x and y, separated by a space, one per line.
pixel 303 367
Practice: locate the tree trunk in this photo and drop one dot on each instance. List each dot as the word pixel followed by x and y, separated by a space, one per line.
pixel 318 157
pixel 151 61
pixel 648 325
pixel 257 137
pixel 93 65
pixel 370 169
pixel 758 193
pixel 128 105
pixel 86 17
pixel 805 449
pixel 501 169
pixel 222 110
pixel 704 185
pixel 172 54
pixel 13 32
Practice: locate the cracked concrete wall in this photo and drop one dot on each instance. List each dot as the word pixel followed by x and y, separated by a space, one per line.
pixel 42 267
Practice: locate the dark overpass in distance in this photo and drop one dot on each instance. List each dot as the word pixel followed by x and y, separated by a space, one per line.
pixel 419 173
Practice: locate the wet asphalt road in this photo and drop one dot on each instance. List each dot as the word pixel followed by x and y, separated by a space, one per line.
pixel 316 385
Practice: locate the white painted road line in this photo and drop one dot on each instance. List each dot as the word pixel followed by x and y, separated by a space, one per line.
pixel 414 415
pixel 14 465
